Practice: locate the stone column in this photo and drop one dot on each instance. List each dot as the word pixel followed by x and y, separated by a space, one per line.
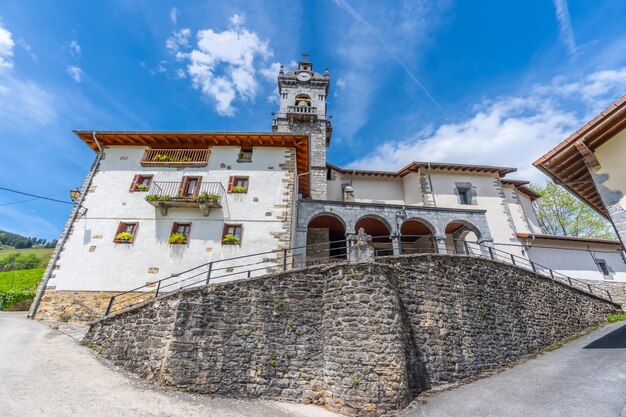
pixel 485 245
pixel 395 245
pixel 440 241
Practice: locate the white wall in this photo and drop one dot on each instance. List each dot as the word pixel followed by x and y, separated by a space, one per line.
pixel 487 198
pixel 577 259
pixel 112 266
pixel 412 189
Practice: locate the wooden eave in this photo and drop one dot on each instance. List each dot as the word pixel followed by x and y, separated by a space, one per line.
pixel 415 167
pixel 521 187
pixel 182 140
pixel 567 164
pixel 569 239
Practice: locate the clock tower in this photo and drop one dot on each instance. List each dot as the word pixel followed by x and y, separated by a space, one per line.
pixel 302 109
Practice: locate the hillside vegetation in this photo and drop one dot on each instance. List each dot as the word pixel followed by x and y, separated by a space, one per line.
pixel 22 263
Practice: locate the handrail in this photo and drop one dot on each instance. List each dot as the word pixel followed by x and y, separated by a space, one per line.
pixel 207 270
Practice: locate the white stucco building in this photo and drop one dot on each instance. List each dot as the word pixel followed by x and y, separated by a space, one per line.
pixel 155 204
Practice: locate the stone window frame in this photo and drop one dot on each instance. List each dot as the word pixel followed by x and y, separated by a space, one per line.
pixel 469 190
pixel 245 154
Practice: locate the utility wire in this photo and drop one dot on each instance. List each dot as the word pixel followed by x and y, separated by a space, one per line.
pixel 37 197
pixel 30 199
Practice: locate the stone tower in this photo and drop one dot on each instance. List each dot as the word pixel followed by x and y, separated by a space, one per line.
pixel 303 95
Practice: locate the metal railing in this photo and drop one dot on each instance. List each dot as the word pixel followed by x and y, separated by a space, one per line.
pixel 177 190
pixel 262 263
pixel 175 157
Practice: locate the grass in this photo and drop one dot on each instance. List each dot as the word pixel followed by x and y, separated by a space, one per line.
pixel 20 280
pixel 616 317
pixel 40 252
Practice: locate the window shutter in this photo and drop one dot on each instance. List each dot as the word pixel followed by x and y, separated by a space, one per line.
pixel 133 185
pixel 196 192
pixel 224 230
pixel 231 182
pixel 183 185
pixel 240 234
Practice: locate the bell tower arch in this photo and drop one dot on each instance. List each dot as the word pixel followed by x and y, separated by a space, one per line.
pixel 303 94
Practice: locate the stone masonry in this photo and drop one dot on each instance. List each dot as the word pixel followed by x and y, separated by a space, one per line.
pixel 360 339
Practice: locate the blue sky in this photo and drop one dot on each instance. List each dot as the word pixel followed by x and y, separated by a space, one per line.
pixel 488 82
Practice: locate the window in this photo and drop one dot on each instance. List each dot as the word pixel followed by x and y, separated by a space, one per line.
pixel 180 233
pixel 245 155
pixel 125 233
pixel 465 194
pixel 140 183
pixel 231 235
pixel 189 186
pixel 603 267
pixel 238 184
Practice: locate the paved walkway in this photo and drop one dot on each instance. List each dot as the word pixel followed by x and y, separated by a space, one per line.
pixel 45 372
pixel 585 378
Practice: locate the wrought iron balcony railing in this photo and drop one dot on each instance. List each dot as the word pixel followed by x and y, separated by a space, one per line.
pixel 205 195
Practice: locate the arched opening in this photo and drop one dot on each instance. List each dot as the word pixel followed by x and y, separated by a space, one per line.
pixel 417 237
pixel 303 100
pixel 325 239
pixel 462 238
pixel 375 227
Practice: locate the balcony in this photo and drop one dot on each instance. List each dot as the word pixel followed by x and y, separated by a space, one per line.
pixel 302 112
pixel 175 157
pixel 186 194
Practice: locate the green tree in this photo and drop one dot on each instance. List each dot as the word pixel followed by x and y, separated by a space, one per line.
pixel 560 213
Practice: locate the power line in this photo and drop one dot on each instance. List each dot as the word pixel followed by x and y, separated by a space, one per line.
pixel 30 199
pixel 37 197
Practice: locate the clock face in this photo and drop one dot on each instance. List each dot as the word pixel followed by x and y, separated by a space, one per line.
pixel 303 76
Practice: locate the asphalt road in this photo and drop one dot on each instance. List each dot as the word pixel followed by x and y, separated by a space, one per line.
pixel 45 372
pixel 585 378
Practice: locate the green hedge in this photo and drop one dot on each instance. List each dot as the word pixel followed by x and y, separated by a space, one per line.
pixel 10 297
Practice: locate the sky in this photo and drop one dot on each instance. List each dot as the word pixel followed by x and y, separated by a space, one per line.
pixel 477 82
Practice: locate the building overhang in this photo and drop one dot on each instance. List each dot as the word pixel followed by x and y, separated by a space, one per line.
pixel 567 164
pixel 416 166
pixel 521 186
pixel 572 239
pixel 165 140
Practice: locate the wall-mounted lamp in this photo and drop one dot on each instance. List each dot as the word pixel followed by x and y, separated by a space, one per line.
pixel 74 194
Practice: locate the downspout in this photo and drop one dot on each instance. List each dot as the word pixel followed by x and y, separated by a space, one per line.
pixel 57 252
pixel 430 183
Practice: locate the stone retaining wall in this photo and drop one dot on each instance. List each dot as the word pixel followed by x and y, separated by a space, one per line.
pixel 360 339
pixel 616 288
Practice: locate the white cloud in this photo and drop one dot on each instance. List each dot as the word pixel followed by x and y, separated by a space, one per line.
pixel 23 104
pixel 367 51
pixel 223 64
pixel 174 15
pixel 181 73
pixel 6 48
pixel 75 72
pixel 178 40
pixel 507 131
pixel 565 25
pixel 270 73
pixel 75 49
